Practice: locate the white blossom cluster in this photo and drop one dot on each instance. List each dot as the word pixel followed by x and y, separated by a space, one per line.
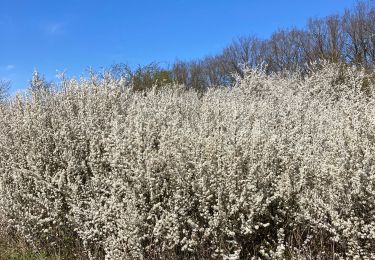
pixel 279 166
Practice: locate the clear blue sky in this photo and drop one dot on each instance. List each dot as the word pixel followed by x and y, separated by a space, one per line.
pixel 72 35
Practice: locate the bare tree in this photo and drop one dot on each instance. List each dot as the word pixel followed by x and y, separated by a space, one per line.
pixel 335 38
pixel 286 50
pixel 358 26
pixel 243 52
pixel 197 77
pixel 180 72
pixel 318 35
pixel 217 71
pixel 120 71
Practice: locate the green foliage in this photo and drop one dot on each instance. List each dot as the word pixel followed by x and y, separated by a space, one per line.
pixel 149 76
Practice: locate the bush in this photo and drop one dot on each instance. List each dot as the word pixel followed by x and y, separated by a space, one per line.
pixel 275 167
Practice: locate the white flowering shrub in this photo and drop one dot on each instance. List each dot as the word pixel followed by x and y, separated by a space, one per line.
pixel 279 166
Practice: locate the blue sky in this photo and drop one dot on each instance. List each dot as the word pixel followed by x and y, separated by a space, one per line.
pixel 72 35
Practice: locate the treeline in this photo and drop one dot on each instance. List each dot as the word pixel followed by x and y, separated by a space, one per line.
pixel 347 38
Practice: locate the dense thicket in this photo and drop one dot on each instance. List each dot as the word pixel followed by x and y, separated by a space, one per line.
pixel 263 151
pixel 278 166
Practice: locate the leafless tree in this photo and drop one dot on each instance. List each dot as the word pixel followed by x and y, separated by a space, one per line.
pixel 243 52
pixel 197 77
pixel 358 26
pixel 180 72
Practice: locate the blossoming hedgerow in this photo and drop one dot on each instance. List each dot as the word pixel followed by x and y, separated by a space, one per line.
pixel 277 166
